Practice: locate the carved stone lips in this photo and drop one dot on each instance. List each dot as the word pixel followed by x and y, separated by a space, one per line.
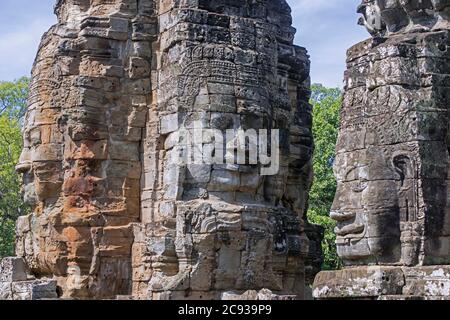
pixel 352 229
pixel 344 229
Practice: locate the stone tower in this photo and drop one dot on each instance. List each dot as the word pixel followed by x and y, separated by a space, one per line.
pixel 118 89
pixel 392 166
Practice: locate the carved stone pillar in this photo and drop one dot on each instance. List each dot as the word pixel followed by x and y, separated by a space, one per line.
pixel 217 229
pixel 120 90
pixel 83 135
pixel 392 163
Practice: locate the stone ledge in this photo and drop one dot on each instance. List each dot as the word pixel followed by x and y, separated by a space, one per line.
pixel 384 283
pixel 17 284
pixel 13 269
pixel 253 295
pixel 28 290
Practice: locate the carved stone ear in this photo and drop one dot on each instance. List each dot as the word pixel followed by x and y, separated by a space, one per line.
pixel 403 167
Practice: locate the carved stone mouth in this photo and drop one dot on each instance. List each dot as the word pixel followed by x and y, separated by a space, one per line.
pixel 354 229
pixel 347 227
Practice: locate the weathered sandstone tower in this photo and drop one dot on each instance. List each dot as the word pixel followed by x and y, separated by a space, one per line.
pixel 118 89
pixel 392 204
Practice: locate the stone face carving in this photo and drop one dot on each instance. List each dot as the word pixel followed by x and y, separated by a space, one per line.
pixel 382 17
pixel 371 17
pixel 391 200
pixel 211 230
pixel 117 87
pixel 392 162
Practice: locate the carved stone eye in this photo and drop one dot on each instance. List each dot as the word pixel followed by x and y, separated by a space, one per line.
pixel 359 186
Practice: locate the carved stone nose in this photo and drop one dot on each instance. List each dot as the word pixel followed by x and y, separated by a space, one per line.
pixel 342 216
pixel 23 167
pixel 25 163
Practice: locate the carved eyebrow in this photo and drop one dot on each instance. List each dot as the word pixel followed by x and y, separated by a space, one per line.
pixel 353 169
pixel 349 171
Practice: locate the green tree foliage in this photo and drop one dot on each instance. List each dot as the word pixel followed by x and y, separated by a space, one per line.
pixel 13 97
pixel 327 103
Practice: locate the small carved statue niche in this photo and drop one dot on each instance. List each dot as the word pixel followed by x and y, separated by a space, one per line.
pixel 410 225
pixel 404 167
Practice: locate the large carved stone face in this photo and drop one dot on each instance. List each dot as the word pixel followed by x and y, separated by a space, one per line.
pixel 366 208
pixel 42 155
pixel 90 173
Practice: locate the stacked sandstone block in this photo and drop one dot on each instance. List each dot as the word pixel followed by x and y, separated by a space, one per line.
pixel 392 164
pixel 115 85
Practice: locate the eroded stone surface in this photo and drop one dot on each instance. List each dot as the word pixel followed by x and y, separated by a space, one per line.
pixel 387 17
pixel 384 283
pixel 359 282
pixel 16 283
pixel 263 295
pixel 392 162
pixel 391 203
pixel 114 215
pixel 13 269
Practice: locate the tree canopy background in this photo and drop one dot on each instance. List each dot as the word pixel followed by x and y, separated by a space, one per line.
pixel 327 104
pixel 13 96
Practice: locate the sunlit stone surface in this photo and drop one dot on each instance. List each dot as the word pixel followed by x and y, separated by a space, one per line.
pixel 114 213
pixel 392 165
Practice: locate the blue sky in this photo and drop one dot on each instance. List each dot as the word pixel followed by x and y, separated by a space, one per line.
pixel 327 28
